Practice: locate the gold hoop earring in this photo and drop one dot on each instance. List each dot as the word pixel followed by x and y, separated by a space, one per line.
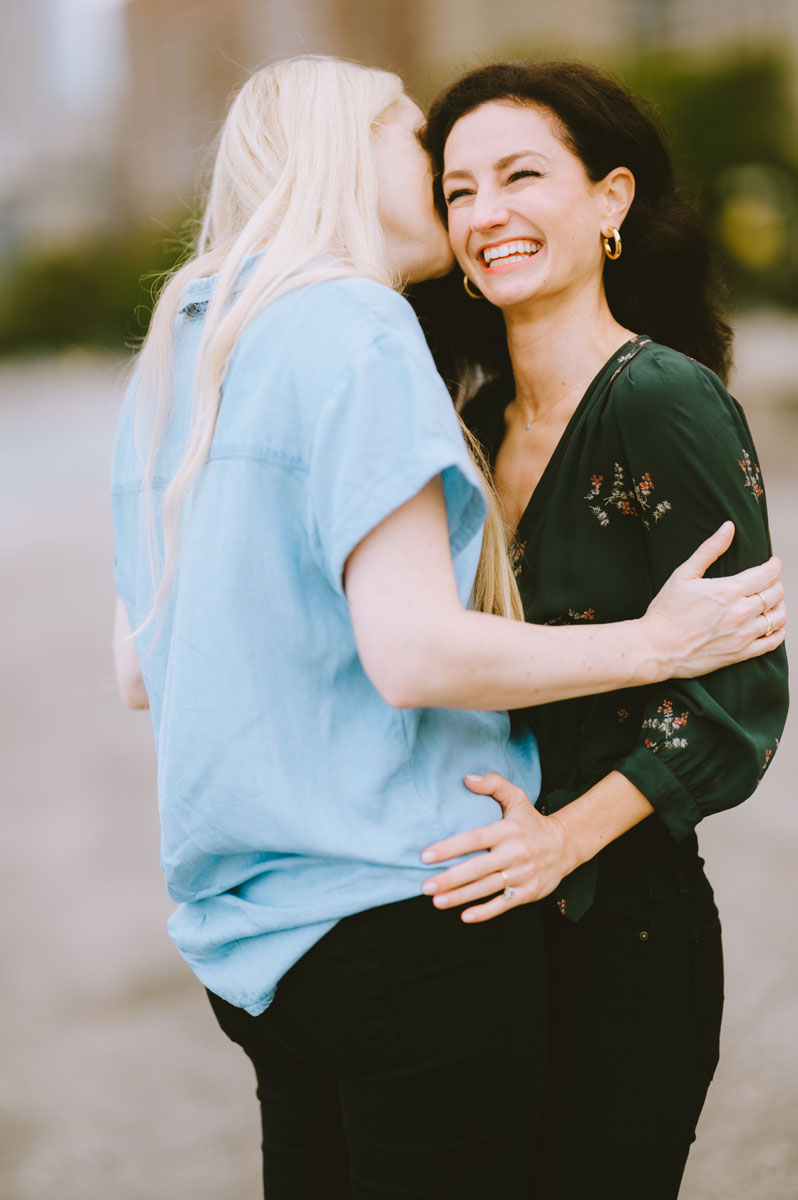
pixel 614 236
pixel 475 295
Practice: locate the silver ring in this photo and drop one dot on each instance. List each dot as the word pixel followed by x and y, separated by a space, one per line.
pixel 509 890
pixel 764 604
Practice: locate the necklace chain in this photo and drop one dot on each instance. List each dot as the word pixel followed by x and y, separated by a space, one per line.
pixel 528 424
pixel 634 337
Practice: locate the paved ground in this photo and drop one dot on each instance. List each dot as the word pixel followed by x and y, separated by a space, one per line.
pixel 115 1083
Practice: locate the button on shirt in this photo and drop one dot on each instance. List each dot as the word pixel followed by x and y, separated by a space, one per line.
pixel 291 794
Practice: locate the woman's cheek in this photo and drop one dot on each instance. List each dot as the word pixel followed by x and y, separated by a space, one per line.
pixel 457 237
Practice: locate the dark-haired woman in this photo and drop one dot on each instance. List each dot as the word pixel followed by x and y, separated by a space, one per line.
pixel 614 452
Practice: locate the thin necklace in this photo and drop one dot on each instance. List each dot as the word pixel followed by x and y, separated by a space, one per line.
pixel 634 337
pixel 528 424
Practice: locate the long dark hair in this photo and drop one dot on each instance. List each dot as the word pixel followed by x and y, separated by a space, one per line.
pixel 663 283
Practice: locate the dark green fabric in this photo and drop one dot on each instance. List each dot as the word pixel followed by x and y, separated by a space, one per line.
pixel 655 458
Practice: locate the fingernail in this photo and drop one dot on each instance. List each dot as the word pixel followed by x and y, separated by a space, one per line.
pixel 474 778
pixel 468 916
pixel 440 901
pixel 428 856
pixel 430 887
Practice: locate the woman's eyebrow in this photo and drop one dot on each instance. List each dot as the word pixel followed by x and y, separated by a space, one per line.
pixel 501 164
pixel 509 159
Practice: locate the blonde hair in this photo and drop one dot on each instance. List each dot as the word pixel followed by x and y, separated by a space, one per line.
pixel 294 178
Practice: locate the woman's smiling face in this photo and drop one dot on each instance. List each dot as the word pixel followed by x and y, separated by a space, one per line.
pixel 525 221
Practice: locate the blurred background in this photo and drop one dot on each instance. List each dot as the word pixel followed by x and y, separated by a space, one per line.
pixel 115 1081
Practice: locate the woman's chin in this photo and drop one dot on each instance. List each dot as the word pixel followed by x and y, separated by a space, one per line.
pixel 510 288
pixel 433 266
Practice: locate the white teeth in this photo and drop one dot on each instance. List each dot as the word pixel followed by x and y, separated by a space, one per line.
pixel 509 250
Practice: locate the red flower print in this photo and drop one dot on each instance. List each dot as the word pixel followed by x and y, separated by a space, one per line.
pixel 629 501
pixel 769 752
pixel 752 474
pixel 572 616
pixel 666 724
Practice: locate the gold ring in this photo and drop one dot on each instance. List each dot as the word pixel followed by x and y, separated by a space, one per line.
pixel 504 877
pixel 769 629
pixel 764 604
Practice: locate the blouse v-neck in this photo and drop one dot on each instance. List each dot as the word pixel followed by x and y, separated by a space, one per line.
pixel 492 435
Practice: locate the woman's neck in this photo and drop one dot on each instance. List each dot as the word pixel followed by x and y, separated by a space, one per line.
pixel 556 350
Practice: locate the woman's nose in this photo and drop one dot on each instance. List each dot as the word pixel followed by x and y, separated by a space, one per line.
pixel 487 212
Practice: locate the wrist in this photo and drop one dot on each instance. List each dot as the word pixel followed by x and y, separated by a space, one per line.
pixel 651 658
pixel 600 815
pixel 570 849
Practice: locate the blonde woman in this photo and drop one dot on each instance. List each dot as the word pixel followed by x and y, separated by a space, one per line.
pixel 299 530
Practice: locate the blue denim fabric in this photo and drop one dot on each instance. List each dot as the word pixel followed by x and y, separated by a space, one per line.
pixel 291 794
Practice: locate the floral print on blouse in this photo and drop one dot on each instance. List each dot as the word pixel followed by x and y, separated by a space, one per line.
pixel 656 457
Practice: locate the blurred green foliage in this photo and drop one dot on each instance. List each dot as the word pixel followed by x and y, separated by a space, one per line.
pixel 98 293
pixel 732 129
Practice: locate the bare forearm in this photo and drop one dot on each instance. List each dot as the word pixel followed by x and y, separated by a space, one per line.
pixel 477 661
pixel 609 809
pixel 421 648
pixel 528 854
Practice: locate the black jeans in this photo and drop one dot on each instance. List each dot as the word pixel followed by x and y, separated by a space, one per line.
pixel 403 1056
pixel 636 994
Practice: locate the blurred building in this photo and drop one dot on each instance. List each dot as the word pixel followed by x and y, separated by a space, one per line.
pixel 107 106
pixel 714 24
pixel 58 127
pixel 187 55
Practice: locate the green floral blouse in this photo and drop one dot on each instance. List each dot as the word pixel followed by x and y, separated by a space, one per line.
pixel 655 458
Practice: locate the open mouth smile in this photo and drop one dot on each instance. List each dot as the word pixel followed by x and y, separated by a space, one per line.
pixel 508 254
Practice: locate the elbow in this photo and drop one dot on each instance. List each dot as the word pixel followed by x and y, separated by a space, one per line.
pixel 133 693
pixel 401 675
pixel 416 662
pixel 405 694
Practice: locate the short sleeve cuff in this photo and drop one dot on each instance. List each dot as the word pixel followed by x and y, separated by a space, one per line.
pixel 465 502
pixel 669 797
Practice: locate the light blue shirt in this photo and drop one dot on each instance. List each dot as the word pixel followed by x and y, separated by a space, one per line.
pixel 290 793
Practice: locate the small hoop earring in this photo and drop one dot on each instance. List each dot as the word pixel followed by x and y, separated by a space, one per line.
pixel 613 236
pixel 475 295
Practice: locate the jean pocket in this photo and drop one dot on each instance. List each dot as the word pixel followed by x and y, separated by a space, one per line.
pixel 616 979
pixel 706 956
